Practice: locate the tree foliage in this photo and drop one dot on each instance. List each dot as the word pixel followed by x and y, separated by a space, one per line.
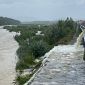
pixel 8 21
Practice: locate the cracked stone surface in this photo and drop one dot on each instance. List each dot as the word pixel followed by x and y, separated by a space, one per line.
pixel 65 66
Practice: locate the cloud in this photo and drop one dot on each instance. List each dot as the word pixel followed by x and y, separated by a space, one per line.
pixel 80 2
pixel 6 1
pixel 42 9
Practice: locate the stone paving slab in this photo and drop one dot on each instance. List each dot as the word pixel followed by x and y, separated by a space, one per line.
pixel 64 66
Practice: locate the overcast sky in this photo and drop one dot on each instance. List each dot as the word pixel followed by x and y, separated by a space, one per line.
pixel 32 10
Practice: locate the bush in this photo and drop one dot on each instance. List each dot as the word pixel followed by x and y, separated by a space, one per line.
pixel 25 63
pixel 23 51
pixel 22 79
pixel 39 48
pixel 60 31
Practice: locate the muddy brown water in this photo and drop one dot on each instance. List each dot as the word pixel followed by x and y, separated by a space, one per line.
pixel 64 66
pixel 8 47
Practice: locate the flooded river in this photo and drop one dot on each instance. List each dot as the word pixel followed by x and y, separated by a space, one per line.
pixel 8 47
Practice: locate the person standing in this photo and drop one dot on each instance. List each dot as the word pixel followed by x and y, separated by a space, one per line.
pixel 83 42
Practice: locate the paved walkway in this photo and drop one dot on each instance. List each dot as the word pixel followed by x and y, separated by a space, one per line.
pixel 63 67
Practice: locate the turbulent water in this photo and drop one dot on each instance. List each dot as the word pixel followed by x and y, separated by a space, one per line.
pixel 64 66
pixel 8 47
pixel 79 39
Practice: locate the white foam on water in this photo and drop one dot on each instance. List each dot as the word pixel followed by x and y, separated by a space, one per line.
pixel 79 39
pixel 64 48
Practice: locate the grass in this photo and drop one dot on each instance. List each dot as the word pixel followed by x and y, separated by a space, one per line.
pixel 20 80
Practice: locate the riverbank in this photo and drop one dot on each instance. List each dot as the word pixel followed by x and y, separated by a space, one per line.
pixel 35 41
pixel 8 47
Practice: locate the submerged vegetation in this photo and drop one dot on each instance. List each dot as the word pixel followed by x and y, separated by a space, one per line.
pixel 33 46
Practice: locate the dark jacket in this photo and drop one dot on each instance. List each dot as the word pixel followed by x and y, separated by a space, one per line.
pixel 83 42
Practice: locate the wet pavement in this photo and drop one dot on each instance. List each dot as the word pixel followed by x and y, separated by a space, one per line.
pixel 64 66
pixel 8 47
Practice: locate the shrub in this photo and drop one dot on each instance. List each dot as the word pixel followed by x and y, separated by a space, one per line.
pixel 22 79
pixel 25 63
pixel 39 48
